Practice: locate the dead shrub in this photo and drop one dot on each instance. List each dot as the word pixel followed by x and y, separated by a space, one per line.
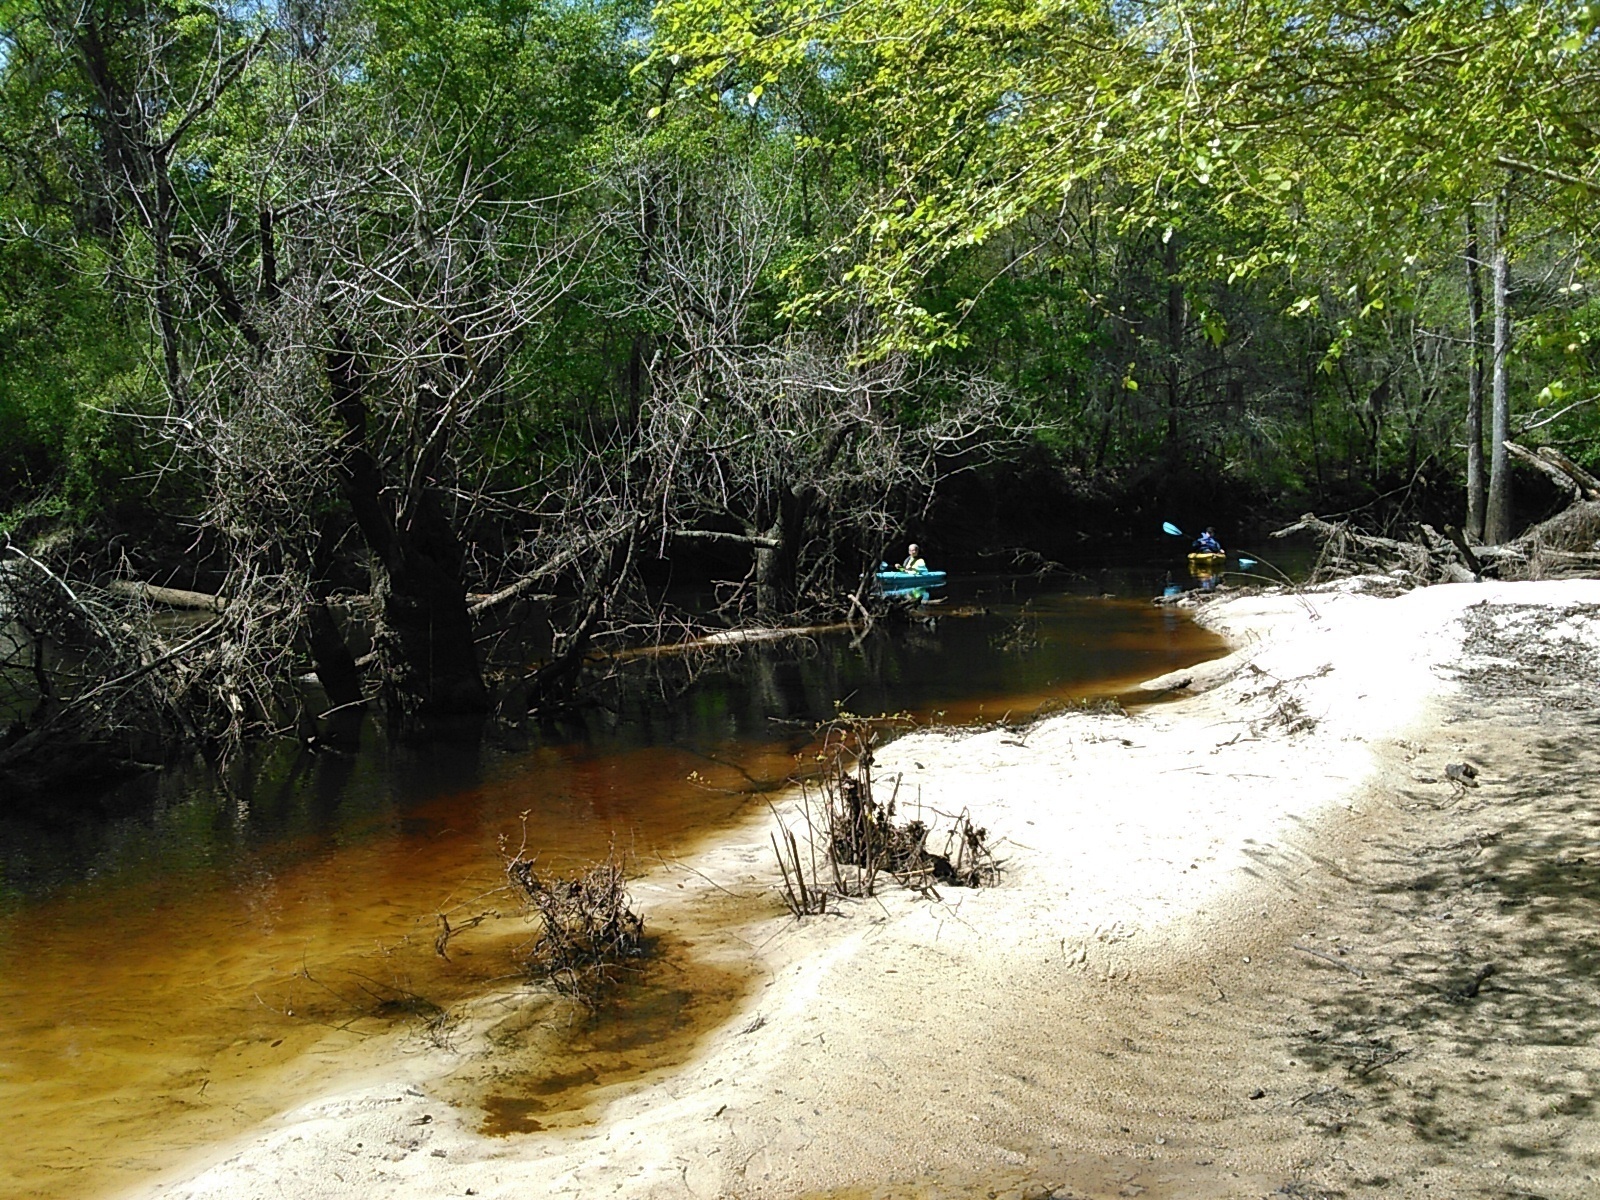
pixel 860 837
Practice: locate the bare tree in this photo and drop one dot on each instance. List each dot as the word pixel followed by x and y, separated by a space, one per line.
pixel 797 444
pixel 85 684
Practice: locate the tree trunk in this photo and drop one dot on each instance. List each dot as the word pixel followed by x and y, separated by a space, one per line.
pixel 1497 515
pixel 336 666
pixel 775 559
pixel 1174 344
pixel 426 633
pixel 1475 481
pixel 426 608
pixel 774 574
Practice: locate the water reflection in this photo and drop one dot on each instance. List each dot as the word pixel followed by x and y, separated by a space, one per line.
pixel 179 959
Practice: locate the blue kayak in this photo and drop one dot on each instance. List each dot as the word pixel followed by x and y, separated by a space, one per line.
pixel 911 579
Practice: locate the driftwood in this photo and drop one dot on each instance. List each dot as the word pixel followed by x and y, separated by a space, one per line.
pixel 1429 558
pixel 1587 482
pixel 858 839
pixel 588 929
pixel 1568 544
pixel 1561 470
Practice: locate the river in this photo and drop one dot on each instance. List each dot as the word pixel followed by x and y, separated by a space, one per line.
pixel 180 960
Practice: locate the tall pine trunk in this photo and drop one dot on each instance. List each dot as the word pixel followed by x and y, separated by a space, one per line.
pixel 1497 516
pixel 1475 481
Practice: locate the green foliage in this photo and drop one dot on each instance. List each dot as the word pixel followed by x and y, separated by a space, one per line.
pixel 1221 237
pixel 1297 119
pixel 67 360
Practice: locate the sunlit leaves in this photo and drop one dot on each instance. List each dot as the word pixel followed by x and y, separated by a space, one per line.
pixel 1285 113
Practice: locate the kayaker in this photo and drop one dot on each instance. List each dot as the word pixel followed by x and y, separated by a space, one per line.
pixel 1207 542
pixel 913 560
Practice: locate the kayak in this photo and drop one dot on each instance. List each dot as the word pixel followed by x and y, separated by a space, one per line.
pixel 1208 556
pixel 911 579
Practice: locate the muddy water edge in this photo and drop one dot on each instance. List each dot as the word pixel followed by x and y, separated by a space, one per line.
pixel 180 960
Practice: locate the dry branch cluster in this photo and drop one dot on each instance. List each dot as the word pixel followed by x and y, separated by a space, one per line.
pixel 794 446
pixel 90 681
pixel 94 680
pixel 587 925
pixel 859 838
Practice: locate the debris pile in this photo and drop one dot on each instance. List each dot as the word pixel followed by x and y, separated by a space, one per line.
pixel 588 927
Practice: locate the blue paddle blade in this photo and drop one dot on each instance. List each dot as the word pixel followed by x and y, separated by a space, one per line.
pixel 1246 563
pixel 1169 527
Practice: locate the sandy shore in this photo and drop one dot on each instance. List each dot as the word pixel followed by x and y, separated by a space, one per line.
pixel 1239 949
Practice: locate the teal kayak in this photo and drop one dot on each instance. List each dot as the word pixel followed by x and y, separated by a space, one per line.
pixel 911 579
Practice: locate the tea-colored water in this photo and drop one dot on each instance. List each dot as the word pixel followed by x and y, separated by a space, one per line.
pixel 172 975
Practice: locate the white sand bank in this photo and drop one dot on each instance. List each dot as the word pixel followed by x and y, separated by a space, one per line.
pixel 941 1048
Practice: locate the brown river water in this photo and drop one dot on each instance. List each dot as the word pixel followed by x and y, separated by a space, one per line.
pixel 179 961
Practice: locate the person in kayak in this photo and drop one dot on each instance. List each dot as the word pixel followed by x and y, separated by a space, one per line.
pixel 914 561
pixel 1207 542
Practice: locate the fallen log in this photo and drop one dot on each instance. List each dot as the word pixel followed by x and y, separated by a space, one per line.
pixel 478 603
pixel 1431 557
pixel 1459 540
pixel 1560 476
pixel 1201 677
pixel 1566 544
pixel 1587 482
pixel 170 597
pixel 1347 551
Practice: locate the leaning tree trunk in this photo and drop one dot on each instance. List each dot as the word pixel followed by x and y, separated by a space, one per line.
pixel 1475 481
pixel 1497 517
pixel 555 682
